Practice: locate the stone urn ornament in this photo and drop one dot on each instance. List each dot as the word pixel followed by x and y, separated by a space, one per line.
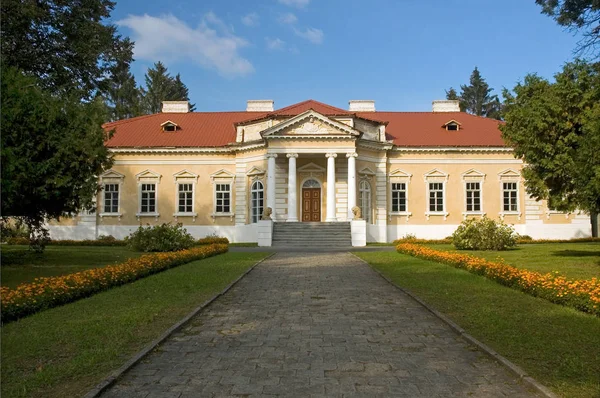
pixel 357 213
pixel 267 214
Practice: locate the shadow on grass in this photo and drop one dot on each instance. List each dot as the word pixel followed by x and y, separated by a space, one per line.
pixel 576 253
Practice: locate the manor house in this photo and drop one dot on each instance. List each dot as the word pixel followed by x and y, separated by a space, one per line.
pixel 419 173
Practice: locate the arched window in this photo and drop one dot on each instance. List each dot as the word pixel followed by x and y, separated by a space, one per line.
pixel 257 200
pixel 364 200
pixel 311 184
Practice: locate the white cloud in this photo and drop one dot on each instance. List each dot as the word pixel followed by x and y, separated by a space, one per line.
pixel 275 44
pixel 212 44
pixel 313 35
pixel 250 19
pixel 295 3
pixel 287 18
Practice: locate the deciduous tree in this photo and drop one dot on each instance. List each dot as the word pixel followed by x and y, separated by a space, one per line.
pixel 555 128
pixel 578 15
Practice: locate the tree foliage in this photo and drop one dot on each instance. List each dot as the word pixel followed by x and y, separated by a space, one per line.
pixel 476 97
pixel 62 42
pixel 161 86
pixel 578 15
pixel 52 150
pixel 122 95
pixel 555 128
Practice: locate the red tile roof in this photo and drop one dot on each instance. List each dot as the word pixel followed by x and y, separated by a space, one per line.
pixel 214 129
pixel 426 129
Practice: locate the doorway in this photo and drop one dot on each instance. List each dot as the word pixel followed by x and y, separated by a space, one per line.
pixel 311 201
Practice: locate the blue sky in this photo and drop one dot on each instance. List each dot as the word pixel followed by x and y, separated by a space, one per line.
pixel 403 54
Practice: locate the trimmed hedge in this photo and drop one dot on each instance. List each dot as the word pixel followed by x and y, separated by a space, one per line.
pixel 583 295
pixel 210 240
pixel 44 293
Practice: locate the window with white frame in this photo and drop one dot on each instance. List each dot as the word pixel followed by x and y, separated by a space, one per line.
pixel 257 195
pixel 436 197
pixel 398 197
pixel 148 198
pixel 364 199
pixel 185 199
pixel 222 198
pixel 111 199
pixel 510 197
pixel 473 197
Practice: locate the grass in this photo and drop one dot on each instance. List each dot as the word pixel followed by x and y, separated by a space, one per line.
pixel 244 244
pixel 19 264
pixel 67 350
pixel 573 260
pixel 556 345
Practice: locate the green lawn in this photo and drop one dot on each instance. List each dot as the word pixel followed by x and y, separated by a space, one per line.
pixel 573 260
pixel 19 264
pixel 558 346
pixel 67 350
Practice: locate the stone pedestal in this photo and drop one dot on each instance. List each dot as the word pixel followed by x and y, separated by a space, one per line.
pixel 358 230
pixel 265 233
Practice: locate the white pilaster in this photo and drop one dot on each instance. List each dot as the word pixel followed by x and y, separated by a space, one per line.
pixel 292 195
pixel 351 183
pixel 271 182
pixel 331 187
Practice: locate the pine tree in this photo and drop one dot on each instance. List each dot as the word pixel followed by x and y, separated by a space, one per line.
pixel 161 86
pixel 123 97
pixel 477 98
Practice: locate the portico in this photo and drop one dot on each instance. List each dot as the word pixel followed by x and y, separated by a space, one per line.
pixel 312 192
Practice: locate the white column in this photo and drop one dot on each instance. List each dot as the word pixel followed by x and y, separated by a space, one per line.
pixel 331 187
pixel 351 183
pixel 292 195
pixel 271 182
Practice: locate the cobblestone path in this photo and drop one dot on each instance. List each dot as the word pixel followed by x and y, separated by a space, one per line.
pixel 316 325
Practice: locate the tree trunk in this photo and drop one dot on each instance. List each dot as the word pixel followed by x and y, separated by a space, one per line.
pixel 595 218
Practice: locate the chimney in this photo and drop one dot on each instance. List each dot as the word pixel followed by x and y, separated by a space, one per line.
pixel 446 106
pixel 175 106
pixel 259 106
pixel 361 106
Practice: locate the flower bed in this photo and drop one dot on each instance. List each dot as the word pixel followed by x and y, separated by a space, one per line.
pixel 583 295
pixel 44 293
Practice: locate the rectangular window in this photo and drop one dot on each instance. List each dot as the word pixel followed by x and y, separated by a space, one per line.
pixel 185 198
pixel 111 198
pixel 398 197
pixel 436 197
pixel 473 196
pixel 509 196
pixel 148 204
pixel 222 198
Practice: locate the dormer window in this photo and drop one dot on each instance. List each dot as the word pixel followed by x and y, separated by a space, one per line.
pixel 169 126
pixel 452 125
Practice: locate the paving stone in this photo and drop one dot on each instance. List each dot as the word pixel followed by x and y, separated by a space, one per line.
pixel 303 324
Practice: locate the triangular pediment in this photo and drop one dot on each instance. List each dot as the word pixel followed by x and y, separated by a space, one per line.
pixel 148 175
pixel 509 174
pixel 400 174
pixel 312 167
pixel 436 175
pixel 367 172
pixel 473 173
pixel 111 174
pixel 185 174
pixel 310 124
pixel 255 171
pixel 222 174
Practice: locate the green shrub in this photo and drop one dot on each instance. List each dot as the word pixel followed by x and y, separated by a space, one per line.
pixel 212 239
pixel 17 241
pixel 10 228
pixel 484 234
pixel 160 238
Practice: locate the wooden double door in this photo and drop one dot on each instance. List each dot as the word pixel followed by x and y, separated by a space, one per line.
pixel 311 204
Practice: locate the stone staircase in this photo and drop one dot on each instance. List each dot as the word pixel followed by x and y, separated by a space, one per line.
pixel 312 234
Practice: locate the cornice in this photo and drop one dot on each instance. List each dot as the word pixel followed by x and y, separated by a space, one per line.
pixel 453 149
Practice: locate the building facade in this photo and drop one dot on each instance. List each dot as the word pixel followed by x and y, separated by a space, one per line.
pixel 419 173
